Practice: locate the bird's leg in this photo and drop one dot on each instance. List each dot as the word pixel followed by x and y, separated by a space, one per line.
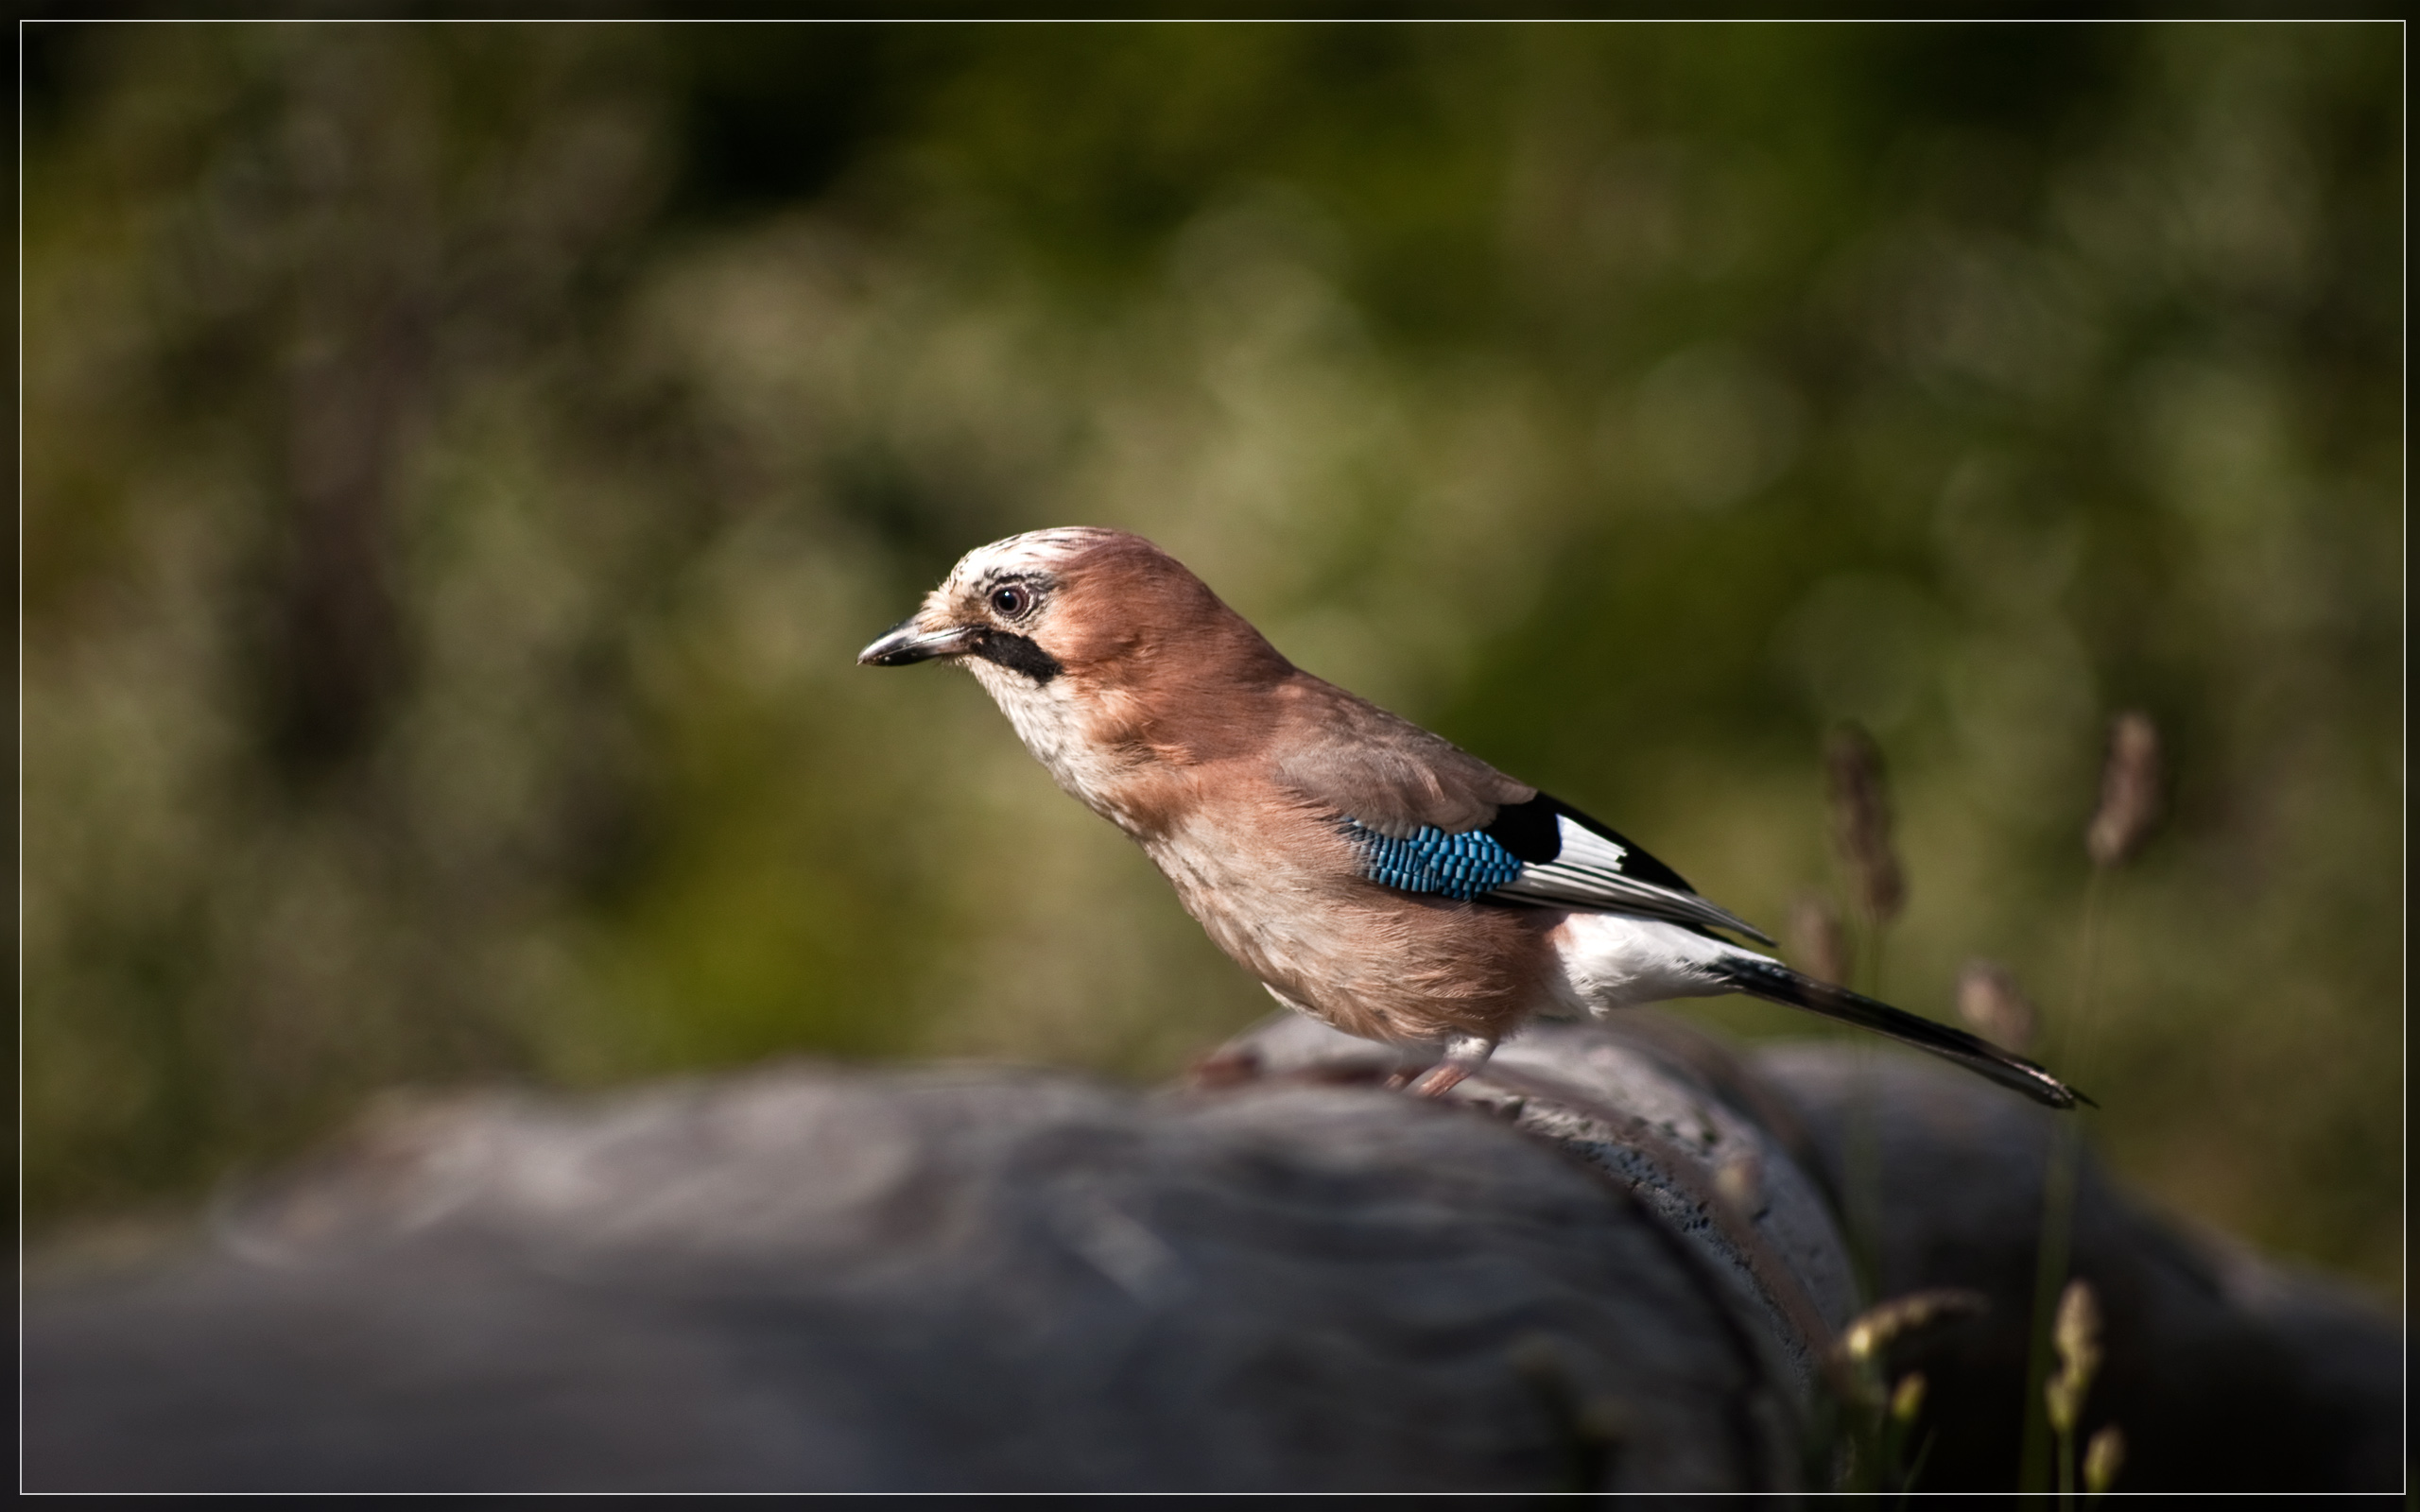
pixel 1464 1054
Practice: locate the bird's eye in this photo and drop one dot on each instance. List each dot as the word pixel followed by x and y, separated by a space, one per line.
pixel 1010 601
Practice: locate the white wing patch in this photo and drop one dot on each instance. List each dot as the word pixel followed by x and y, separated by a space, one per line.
pixel 1586 848
pixel 1587 873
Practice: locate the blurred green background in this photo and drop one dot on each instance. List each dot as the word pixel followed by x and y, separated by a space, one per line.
pixel 461 462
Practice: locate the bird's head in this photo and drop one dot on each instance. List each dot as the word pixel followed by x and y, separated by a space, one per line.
pixel 1109 609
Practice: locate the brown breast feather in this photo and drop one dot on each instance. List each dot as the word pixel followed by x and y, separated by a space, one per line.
pixel 1277 885
pixel 1264 759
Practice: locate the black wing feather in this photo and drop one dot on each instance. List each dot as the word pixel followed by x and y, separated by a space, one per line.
pixel 1776 983
pixel 1528 831
pixel 1620 879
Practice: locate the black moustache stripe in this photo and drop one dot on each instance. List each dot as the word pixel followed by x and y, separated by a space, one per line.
pixel 1018 653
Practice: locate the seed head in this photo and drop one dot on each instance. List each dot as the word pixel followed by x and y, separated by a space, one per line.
pixel 1994 1006
pixel 1908 1397
pixel 1861 823
pixel 1818 939
pixel 2061 1395
pixel 1873 1329
pixel 2129 791
pixel 1741 1181
pixel 2102 1459
pixel 2077 1334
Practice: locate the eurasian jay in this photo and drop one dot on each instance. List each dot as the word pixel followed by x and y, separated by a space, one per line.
pixel 1371 874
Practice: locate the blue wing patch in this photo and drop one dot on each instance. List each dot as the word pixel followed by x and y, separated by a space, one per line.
pixel 1429 860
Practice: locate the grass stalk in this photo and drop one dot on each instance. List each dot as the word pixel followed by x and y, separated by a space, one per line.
pixel 2049 1277
pixel 1859 797
pixel 2054 1248
pixel 2128 810
pixel 1862 1139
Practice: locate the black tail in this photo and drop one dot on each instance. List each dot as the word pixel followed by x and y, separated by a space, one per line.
pixel 1779 984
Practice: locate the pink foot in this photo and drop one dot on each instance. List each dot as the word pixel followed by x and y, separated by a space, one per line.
pixel 1464 1055
pixel 1443 1078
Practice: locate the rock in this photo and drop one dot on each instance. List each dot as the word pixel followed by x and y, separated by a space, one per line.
pixel 804 1278
pixel 1611 1262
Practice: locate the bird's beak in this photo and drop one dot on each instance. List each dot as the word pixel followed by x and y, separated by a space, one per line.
pixel 906 643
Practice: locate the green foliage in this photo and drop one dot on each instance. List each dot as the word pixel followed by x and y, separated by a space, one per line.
pixel 460 462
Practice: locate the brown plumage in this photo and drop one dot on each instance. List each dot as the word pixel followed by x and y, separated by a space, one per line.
pixel 1368 873
pixel 1202 729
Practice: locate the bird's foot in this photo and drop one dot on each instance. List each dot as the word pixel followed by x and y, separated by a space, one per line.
pixel 1441 1078
pixel 1464 1055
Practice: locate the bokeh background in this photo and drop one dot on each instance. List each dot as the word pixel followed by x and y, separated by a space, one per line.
pixel 461 463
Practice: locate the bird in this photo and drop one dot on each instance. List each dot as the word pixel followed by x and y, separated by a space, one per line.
pixel 1372 875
